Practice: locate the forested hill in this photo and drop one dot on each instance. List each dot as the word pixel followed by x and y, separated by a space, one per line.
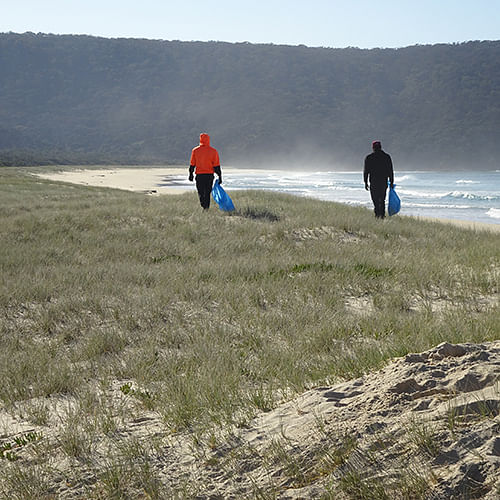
pixel 82 99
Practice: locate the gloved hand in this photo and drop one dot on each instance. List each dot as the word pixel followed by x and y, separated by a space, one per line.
pixel 366 187
pixel 191 177
pixel 220 179
pixel 392 186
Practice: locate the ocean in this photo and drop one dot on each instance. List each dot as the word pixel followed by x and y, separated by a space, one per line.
pixel 469 196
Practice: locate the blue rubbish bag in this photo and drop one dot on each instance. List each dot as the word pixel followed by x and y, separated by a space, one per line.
pixel 394 205
pixel 222 198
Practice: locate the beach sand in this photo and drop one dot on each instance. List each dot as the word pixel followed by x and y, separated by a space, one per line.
pixel 165 180
pixel 160 180
pixel 476 226
pixel 429 416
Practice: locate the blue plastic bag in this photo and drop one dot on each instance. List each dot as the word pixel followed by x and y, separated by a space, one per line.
pixel 222 198
pixel 394 205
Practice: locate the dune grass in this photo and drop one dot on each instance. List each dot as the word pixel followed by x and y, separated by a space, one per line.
pixel 213 317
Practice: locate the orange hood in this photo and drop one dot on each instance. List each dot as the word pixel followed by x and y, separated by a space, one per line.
pixel 204 140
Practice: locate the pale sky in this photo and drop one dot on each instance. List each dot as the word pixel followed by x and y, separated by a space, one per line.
pixel 333 23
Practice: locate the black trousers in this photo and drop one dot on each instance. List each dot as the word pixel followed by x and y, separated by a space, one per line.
pixel 204 183
pixel 378 197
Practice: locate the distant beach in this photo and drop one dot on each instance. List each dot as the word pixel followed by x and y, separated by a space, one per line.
pixel 151 180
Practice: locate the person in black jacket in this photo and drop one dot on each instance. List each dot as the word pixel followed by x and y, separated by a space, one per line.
pixel 377 173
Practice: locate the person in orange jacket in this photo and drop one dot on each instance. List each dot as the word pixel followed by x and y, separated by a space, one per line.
pixel 204 163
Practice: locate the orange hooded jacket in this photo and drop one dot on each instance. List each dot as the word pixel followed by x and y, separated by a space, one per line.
pixel 204 157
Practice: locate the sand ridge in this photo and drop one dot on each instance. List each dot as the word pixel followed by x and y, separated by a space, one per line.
pixel 435 413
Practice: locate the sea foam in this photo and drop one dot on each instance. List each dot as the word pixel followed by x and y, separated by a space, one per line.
pixel 494 213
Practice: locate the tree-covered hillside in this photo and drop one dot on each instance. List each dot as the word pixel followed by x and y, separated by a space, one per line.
pixel 86 99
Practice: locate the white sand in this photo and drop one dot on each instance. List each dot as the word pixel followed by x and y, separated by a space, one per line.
pixel 152 180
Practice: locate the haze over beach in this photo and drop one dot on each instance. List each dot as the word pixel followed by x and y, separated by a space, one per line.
pixel 293 344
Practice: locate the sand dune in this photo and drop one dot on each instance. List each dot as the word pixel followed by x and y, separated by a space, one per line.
pixel 426 421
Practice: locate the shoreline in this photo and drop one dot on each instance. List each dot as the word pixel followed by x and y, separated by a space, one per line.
pixel 159 181
pixel 467 224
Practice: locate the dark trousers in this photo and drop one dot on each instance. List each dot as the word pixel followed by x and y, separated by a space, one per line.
pixel 204 184
pixel 378 197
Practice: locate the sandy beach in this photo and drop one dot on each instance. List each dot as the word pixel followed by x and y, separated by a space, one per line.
pixel 158 180
pixel 154 180
pixel 164 180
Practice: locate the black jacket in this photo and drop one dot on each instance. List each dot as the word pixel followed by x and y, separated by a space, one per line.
pixel 378 169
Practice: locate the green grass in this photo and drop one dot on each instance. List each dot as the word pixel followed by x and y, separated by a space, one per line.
pixel 214 317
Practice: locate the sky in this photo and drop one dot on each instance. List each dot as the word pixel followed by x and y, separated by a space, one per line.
pixel 314 23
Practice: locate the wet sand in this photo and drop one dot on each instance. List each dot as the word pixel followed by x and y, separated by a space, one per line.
pixel 476 226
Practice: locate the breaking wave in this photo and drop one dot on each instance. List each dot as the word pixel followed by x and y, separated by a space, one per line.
pixel 470 196
pixel 404 178
pixel 465 181
pixel 494 213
